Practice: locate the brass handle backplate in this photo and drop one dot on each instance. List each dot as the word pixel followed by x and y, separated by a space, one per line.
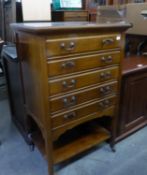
pixel 108 41
pixel 69 102
pixel 68 47
pixel 68 64
pixel 106 59
pixel 105 90
pixel 105 75
pixel 105 104
pixel 69 84
pixel 71 115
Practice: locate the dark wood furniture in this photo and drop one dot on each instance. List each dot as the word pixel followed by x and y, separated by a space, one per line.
pixel 70 15
pixel 15 91
pixel 10 12
pixel 9 16
pixel 1 20
pixel 3 91
pixel 133 103
pixel 71 74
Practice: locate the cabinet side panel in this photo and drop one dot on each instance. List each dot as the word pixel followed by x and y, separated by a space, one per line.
pixel 34 74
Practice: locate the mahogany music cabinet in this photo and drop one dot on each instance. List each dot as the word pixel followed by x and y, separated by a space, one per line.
pixel 71 75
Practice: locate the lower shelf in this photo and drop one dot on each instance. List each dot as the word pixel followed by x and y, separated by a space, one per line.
pixel 80 144
pixel 74 142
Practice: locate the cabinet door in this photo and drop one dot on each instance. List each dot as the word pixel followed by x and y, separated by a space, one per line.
pixel 133 107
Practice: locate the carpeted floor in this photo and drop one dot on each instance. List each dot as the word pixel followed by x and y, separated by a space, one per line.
pixel 16 158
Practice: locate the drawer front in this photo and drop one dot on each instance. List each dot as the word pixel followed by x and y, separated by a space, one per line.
pixel 59 47
pixel 95 107
pixel 64 85
pixel 72 100
pixel 75 14
pixel 82 63
pixel 81 18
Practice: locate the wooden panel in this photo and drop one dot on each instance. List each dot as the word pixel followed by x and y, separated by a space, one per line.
pixel 34 97
pixel 77 14
pixel 76 64
pixel 16 96
pixel 62 85
pixel 56 47
pixel 133 64
pixel 68 101
pixel 89 138
pixel 94 107
pixel 75 18
pixel 134 103
pixel 74 15
pixel 64 151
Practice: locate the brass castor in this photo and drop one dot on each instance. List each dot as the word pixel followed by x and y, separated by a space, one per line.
pixel 31 144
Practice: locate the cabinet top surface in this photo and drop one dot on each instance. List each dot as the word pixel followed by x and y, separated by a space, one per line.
pixel 62 26
pixel 134 64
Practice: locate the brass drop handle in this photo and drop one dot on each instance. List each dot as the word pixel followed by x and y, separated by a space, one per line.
pixel 71 115
pixel 70 47
pixel 101 104
pixel 108 75
pixel 107 41
pixel 105 75
pixel 106 59
pixel 108 88
pixel 71 102
pixel 105 90
pixel 103 59
pixel 68 64
pixel 105 104
pixel 102 75
pixel 70 84
pixel 102 90
pixel 62 45
pixel 109 59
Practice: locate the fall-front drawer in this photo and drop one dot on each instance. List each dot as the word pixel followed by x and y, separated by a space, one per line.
pixel 85 96
pixel 62 85
pixel 83 111
pixel 64 66
pixel 56 47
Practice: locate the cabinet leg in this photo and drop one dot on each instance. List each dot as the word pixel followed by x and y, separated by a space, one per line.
pixel 32 147
pixel 113 135
pixel 49 152
pixel 51 170
pixel 112 146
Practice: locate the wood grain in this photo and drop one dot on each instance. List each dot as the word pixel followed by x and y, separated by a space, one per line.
pixel 41 44
pixel 62 103
pixel 81 63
